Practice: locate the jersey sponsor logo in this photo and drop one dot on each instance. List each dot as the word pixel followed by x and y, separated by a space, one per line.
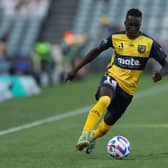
pixel 129 62
pixel 141 48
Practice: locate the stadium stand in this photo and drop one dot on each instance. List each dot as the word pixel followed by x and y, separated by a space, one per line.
pixel 91 19
pixel 60 19
pixel 155 14
pixel 21 25
pixel 80 16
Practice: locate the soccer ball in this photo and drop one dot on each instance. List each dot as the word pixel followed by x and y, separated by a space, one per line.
pixel 118 147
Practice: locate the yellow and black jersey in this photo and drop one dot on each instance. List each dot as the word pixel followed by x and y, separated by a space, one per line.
pixel 129 58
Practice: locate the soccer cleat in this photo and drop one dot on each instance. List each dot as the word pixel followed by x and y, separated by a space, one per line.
pixel 83 141
pixel 92 143
pixel 90 147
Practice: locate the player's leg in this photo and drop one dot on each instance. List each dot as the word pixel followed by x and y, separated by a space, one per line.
pixel 104 95
pixel 101 130
pixel 97 110
pixel 115 111
pixel 93 117
pixel 105 125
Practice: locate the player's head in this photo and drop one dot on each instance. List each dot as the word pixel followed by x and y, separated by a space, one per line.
pixel 133 22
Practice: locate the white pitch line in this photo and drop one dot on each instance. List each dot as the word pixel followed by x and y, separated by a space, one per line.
pixel 146 92
pixel 142 126
pixel 46 120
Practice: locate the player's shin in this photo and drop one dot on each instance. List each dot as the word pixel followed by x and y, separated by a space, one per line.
pixel 96 112
pixel 101 130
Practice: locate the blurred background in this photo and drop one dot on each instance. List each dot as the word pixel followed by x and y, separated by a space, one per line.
pixel 40 40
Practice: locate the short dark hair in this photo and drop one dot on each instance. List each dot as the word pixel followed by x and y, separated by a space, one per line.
pixel 134 12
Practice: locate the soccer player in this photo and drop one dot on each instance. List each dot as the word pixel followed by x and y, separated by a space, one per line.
pixel 131 50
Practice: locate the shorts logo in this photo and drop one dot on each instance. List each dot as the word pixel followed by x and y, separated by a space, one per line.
pixel 110 82
pixel 141 48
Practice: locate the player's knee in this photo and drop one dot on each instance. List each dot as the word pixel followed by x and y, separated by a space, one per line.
pixel 105 101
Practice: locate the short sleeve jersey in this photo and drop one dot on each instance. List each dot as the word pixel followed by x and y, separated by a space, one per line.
pixel 129 58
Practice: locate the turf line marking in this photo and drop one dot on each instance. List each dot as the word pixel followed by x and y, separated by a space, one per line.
pixel 46 120
pixel 143 93
pixel 142 126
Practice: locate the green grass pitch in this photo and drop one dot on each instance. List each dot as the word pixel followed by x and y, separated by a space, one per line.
pixel 52 145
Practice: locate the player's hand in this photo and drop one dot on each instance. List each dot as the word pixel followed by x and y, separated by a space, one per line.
pixel 156 76
pixel 70 76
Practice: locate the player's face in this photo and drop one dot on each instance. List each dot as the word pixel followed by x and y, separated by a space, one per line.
pixel 132 25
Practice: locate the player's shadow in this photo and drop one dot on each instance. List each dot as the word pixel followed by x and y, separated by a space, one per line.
pixel 149 156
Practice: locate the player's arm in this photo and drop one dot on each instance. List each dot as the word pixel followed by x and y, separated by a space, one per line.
pixel 158 54
pixel 157 76
pixel 91 55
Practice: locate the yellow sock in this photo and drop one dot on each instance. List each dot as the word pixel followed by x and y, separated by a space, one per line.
pixel 101 130
pixel 96 112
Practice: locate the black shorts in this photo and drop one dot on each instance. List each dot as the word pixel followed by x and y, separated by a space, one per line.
pixel 120 99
